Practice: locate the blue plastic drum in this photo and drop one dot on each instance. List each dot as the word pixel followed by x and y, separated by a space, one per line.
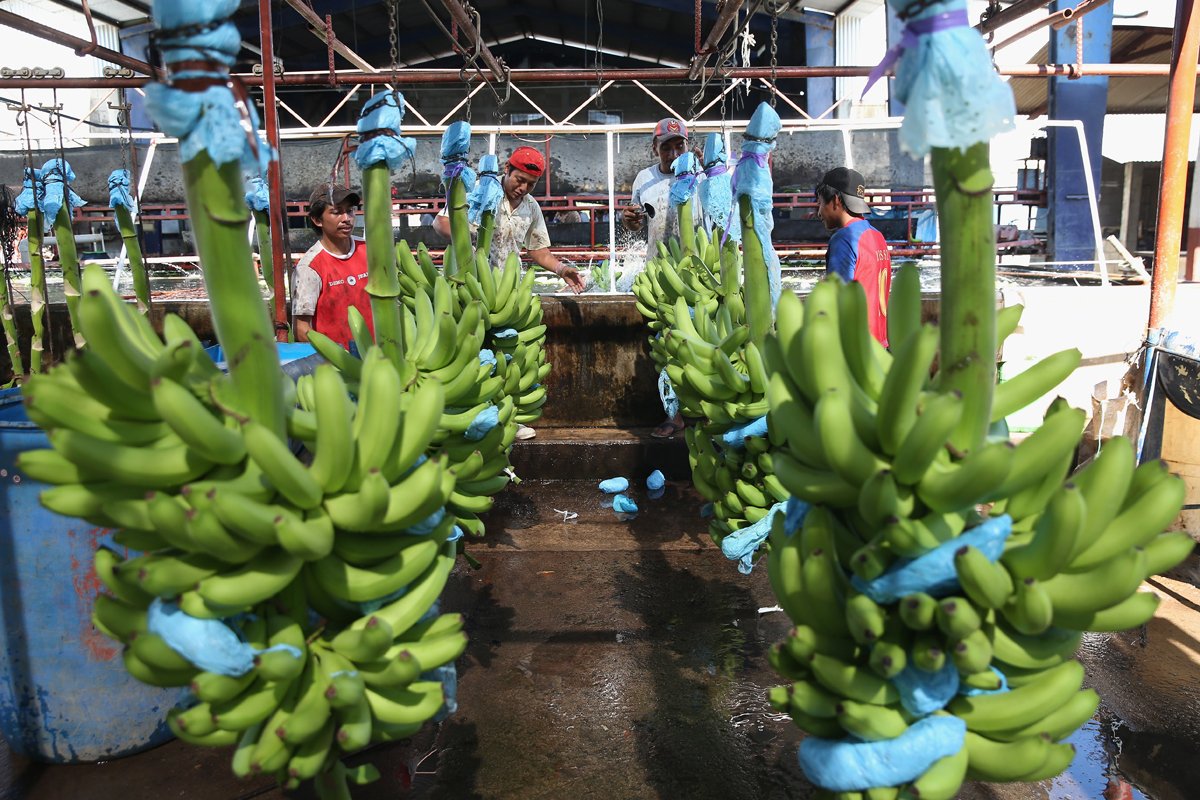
pixel 64 694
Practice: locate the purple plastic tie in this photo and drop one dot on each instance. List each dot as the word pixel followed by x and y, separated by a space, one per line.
pixel 451 170
pixel 913 31
pixel 715 170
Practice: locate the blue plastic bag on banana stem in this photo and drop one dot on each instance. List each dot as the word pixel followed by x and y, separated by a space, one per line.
pixel 215 120
pixel 736 436
pixel 655 481
pixel 614 485
pixel 484 421
pixel 378 130
pixel 952 94
pixel 56 191
pixel 488 357
pixel 258 197
pixel 741 545
pixel 447 675
pixel 503 333
pixel 795 510
pixel 119 195
pixel 456 141
pixel 209 644
pixel 666 393
pixel 687 171
pixel 486 194
pixel 922 692
pixel 716 190
pixel 934 572
pixel 31 187
pixel 851 765
pixel 752 178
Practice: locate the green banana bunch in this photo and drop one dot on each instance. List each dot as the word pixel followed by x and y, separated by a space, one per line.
pixel 864 436
pixel 695 305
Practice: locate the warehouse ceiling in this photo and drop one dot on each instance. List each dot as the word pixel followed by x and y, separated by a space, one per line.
pixel 580 35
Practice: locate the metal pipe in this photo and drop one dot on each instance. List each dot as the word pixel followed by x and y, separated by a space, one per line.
pixel 351 77
pixel 274 170
pixel 467 25
pixel 1015 11
pixel 1173 187
pixel 1058 19
pixel 726 17
pixel 80 46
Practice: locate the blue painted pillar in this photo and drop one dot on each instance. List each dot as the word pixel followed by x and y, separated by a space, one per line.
pixel 1069 221
pixel 818 52
pixel 895 31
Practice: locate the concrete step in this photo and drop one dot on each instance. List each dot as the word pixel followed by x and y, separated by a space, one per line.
pixel 575 516
pixel 596 453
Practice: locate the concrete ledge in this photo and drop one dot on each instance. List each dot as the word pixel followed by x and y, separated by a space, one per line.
pixel 596 453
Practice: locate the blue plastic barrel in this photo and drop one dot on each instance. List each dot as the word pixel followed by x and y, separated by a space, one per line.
pixel 65 696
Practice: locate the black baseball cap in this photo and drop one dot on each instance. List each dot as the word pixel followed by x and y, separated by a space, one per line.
pixel 327 195
pixel 851 186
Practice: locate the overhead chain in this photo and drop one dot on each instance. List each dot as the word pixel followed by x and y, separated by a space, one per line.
pixel 774 50
pixel 393 46
pixel 599 61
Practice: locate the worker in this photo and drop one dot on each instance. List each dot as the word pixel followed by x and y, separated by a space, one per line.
pixel 650 206
pixel 857 251
pixel 332 275
pixel 520 224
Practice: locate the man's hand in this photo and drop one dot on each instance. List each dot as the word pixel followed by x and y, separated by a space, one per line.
pixel 575 282
pixel 633 217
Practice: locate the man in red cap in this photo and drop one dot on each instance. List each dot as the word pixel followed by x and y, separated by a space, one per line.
pixel 520 224
pixel 332 275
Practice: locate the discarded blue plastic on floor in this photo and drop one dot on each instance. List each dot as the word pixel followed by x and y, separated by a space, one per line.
pixel 65 696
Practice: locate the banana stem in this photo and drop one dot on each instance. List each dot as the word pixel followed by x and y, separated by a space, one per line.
pixel 133 251
pixel 9 321
pixel 460 231
pixel 757 285
pixel 963 183
pixel 731 274
pixel 687 233
pixel 266 254
pixel 68 261
pixel 243 327
pixel 487 229
pixel 37 288
pixel 383 283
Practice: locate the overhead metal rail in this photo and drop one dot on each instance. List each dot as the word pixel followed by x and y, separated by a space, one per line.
pixel 667 74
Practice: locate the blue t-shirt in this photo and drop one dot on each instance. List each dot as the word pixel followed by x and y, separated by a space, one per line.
pixel 859 252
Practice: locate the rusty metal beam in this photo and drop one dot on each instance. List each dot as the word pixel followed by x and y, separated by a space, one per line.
pixel 317 28
pixel 467 26
pixel 1057 20
pixel 276 216
pixel 725 18
pixel 665 74
pixel 80 46
pixel 1173 186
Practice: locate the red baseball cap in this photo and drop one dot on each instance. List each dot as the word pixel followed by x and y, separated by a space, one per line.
pixel 669 128
pixel 528 160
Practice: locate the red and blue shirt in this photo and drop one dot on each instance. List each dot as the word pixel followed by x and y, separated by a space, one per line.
pixel 858 252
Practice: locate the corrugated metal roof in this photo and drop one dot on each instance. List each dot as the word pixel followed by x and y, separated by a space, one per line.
pixel 1130 45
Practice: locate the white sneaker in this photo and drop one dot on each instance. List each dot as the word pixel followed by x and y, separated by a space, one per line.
pixel 525 432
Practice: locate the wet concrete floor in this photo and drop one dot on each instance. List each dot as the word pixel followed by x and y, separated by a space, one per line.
pixel 624 658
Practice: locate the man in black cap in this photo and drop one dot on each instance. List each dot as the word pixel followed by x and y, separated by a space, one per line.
pixel 332 276
pixel 857 251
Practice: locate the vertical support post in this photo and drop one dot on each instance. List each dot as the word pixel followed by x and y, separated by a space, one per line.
pixel 1131 205
pixel 612 214
pixel 1191 244
pixel 1084 99
pixel 278 209
pixel 1173 187
pixel 818 52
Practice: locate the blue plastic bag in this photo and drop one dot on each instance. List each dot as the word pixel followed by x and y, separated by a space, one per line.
pixel 614 485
